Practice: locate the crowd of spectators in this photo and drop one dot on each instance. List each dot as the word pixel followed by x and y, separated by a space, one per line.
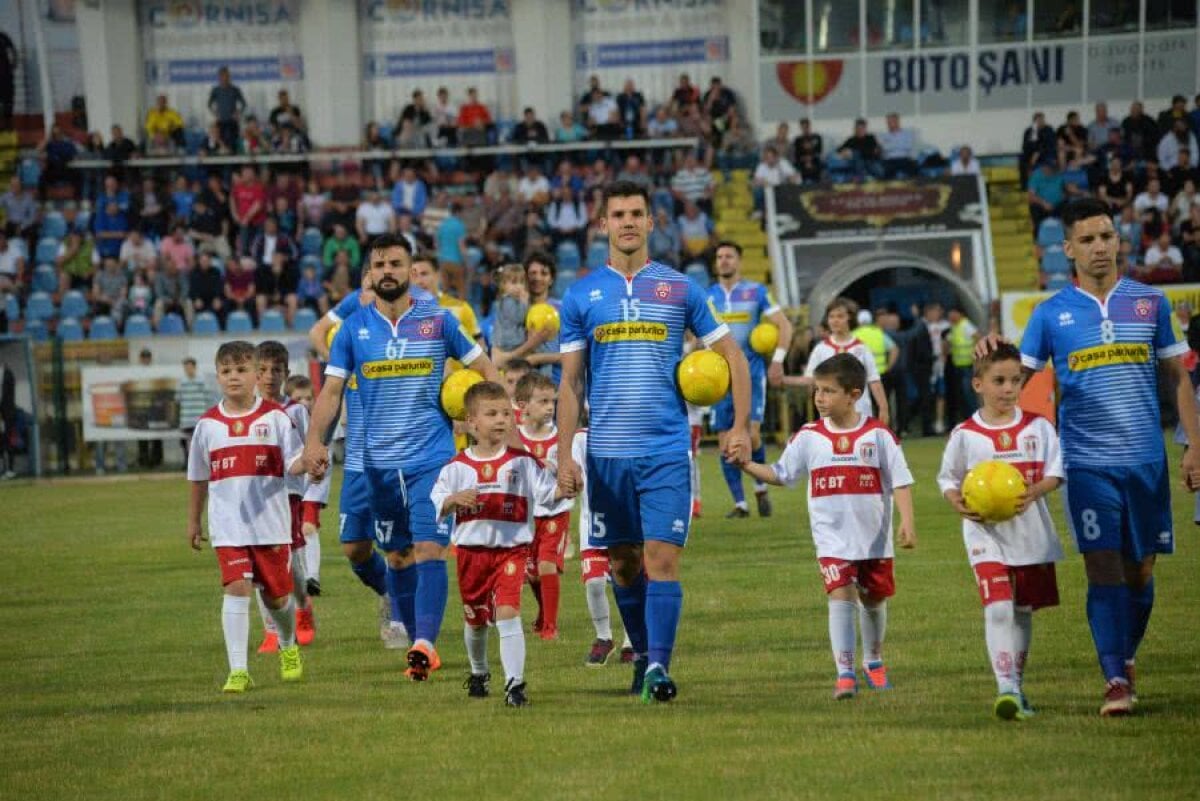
pixel 1145 168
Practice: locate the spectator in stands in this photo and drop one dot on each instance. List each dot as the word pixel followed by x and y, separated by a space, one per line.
pixel 512 304
pixel 1037 144
pixel 1176 140
pixel 12 266
pixel 209 228
pixel 288 141
pixel 214 145
pixel 286 114
pixel 861 149
pixel 76 262
pixel 635 172
pixel 416 113
pixel 239 287
pixel 120 147
pixel 664 243
pixel 604 116
pixel 226 103
pixel 503 215
pixel 692 183
pixel 1116 188
pixel 662 125
pixel 373 217
pixel 410 136
pixel 567 219
pixel 1072 139
pixel 343 202
pixel 183 196
pixel 111 226
pixel 1176 111
pixel 445 118
pixel 285 216
pixel 599 176
pixel 312 205
pixel 1097 130
pixel 339 281
pixel 1183 171
pixel 20 209
pixel 533 186
pixel 528 237
pixel 160 146
pixel 1116 147
pixel 739 148
pixel 1183 203
pixel 631 105
pixel 474 119
pixel 1046 193
pixel 409 194
pixel 1189 238
pixel 73 219
pixel 149 210
pixel 770 172
pixel 141 294
pixel 1163 262
pixel 693 125
pixel 806 152
pixel 1152 198
pixel 452 251
pixel 1129 228
pixel 57 152
pixel 271 241
pixel 569 129
pixel 685 93
pixel 585 100
pixel 695 232
pixel 407 228
pixel 780 140
pixel 206 287
pixel 1140 132
pixel 248 207
pixel 137 252
pixel 339 242
pixel 275 286
pixel 566 178
pixel 162 120
pixel 309 292
pixel 253 141
pixel 171 292
pixel 110 290
pixel 965 164
pixel 718 101
pixel 530 130
pixel 898 147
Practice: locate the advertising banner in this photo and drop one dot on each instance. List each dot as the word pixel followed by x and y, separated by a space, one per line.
pixel 131 403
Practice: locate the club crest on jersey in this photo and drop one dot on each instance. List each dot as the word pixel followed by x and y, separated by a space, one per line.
pixel 1142 307
pixel 662 290
pixel 1004 440
pixel 237 428
pixel 842 445
pixel 866 451
pixel 262 430
pixel 487 472
pixel 426 329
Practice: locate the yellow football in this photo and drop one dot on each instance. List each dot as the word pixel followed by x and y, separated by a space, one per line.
pixel 703 377
pixel 992 490
pixel 454 392
pixel 764 339
pixel 541 317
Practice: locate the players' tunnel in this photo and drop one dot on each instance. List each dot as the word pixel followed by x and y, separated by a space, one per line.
pixel 852 270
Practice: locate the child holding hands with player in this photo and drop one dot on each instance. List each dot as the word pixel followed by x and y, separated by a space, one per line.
pixel 855 468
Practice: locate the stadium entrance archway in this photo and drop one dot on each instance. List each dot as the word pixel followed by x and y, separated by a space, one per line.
pixel 852 269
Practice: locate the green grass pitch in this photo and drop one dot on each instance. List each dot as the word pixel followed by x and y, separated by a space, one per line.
pixel 112 662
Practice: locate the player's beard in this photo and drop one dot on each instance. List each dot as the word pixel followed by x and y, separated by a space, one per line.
pixel 391 292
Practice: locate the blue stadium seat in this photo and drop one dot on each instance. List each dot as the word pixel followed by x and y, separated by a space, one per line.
pixel 1054 260
pixel 1077 177
pixel 238 322
pixel 193 140
pixel 70 330
pixel 75 304
pixel 40 306
pixel 305 319
pixel 272 322
pixel 12 308
pixel 171 325
pixel 1057 282
pixel 385 132
pixel 567 255
pixel 597 255
pixel 45 279
pixel 54 225
pixel 206 324
pixel 1050 232
pixel 138 325
pixel 313 260
pixel 19 247
pixel 37 329
pixel 310 242
pixel 83 222
pixel 30 172
pixel 698 272
pixel 103 327
pixel 47 250
pixel 474 256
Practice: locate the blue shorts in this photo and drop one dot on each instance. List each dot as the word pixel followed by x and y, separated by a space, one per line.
pixel 354 508
pixel 722 410
pixel 1126 509
pixel 402 508
pixel 638 499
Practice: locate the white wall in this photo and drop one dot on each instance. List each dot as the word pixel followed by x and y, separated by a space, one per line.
pixel 332 101
pixel 542 42
pixel 110 49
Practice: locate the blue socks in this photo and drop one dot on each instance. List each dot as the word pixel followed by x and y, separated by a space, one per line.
pixel 733 478
pixel 664 600
pixel 759 454
pixel 371 572
pixel 433 586
pixel 1108 609
pixel 1141 604
pixel 402 592
pixel 631 602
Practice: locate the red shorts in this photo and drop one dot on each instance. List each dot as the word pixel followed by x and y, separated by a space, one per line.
pixel 489 577
pixel 1033 586
pixel 873 576
pixel 310 512
pixel 297 521
pixel 268 566
pixel 549 541
pixel 594 562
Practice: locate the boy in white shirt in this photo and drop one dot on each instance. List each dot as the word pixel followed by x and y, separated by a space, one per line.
pixel 1013 560
pixel 492 489
pixel 855 467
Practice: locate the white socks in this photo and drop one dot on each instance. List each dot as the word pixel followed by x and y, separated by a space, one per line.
pixel 1023 635
pixel 512 649
pixel 1000 632
pixel 264 612
pixel 841 633
pixel 476 638
pixel 312 555
pixel 299 578
pixel 597 602
pixel 285 622
pixel 235 623
pixel 873 622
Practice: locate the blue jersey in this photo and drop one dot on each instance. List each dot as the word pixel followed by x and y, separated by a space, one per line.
pixel 1104 355
pixel 741 308
pixel 398 368
pixel 356 440
pixel 632 330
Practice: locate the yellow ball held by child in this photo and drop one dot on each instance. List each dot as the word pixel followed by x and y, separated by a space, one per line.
pixel 992 490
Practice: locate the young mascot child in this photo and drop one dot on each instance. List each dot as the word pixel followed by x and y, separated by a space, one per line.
pixel 1013 560
pixel 492 490
pixel 299 390
pixel 855 468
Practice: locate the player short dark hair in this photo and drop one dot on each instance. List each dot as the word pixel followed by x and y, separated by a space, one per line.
pixel 1003 352
pixel 271 351
pixel 483 391
pixel 386 241
pixel 846 370
pixel 624 189
pixel 544 258
pixel 295 382
pixel 728 243
pixel 530 383
pixel 429 259
pixel 844 303
pixel 517 365
pixel 235 352
pixel 1083 209
pixel 189 360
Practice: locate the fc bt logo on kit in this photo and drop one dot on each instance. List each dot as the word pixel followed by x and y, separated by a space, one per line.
pixel 1142 307
pixel 663 290
pixel 426 329
pixel 866 451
